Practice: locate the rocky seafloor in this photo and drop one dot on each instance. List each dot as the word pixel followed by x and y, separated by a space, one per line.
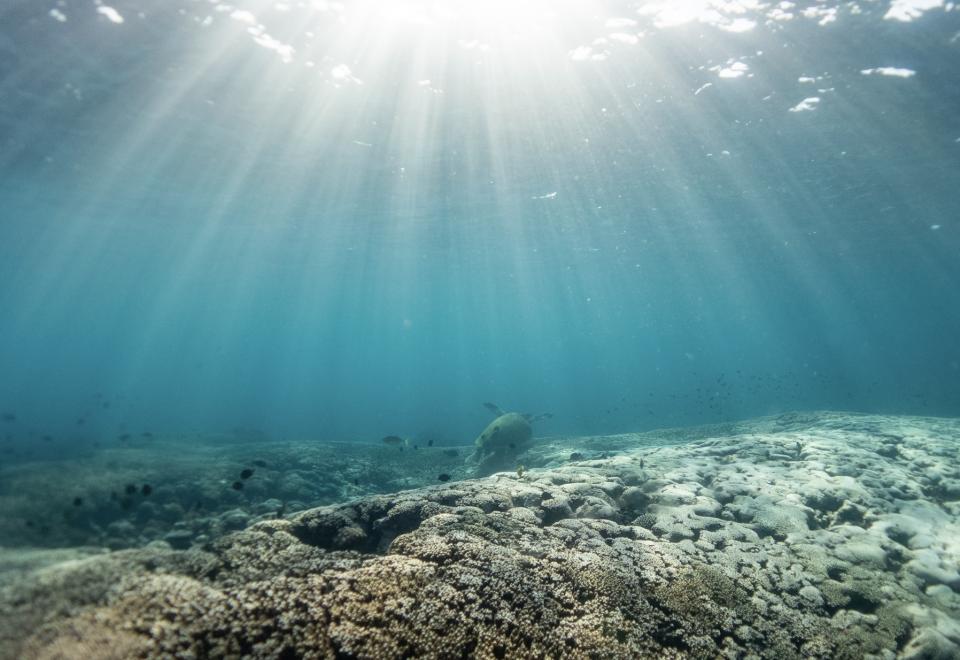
pixel 813 535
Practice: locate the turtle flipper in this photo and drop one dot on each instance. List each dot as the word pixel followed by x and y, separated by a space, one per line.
pixel 492 407
pixel 543 415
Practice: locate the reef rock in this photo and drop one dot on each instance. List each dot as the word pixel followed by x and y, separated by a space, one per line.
pixel 714 549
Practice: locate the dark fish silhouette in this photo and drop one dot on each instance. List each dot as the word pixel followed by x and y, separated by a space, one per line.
pixel 430 443
pixel 146 490
pixel 126 503
pixel 198 505
pixel 260 463
pixel 77 501
pixel 452 452
pixel 393 440
pixel 237 485
pixel 356 482
pixel 444 477
pixel 130 489
pixel 246 474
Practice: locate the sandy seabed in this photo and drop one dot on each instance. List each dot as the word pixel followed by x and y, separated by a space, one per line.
pixel 807 535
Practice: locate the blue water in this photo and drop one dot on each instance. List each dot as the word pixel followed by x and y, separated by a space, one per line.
pixel 418 211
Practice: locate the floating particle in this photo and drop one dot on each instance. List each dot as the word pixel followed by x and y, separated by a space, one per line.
pixel 130 489
pixel 246 474
pixel 260 463
pixel 444 477
pixel 146 490
pixel 77 501
pixel 237 485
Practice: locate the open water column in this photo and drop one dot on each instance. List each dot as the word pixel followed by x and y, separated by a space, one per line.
pixel 551 330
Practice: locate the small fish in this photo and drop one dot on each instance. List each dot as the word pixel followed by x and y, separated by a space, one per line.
pixel 414 448
pixel 512 446
pixel 130 489
pixel 452 452
pixel 237 485
pixel 124 437
pixel 401 447
pixel 198 505
pixel 260 463
pixel 393 440
pixel 576 456
pixel 444 478
pixel 430 443
pixel 146 490
pixel 147 434
pixel 520 471
pixel 77 501
pixel 641 463
pixel 246 474
pixel 126 503
pixel 356 482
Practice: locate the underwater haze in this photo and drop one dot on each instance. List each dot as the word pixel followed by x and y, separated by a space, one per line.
pixel 340 221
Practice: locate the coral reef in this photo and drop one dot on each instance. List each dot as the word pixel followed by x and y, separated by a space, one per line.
pixel 811 539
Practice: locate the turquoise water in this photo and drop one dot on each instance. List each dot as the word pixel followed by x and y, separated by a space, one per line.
pixel 322 221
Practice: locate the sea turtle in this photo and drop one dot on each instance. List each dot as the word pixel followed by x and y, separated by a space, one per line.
pixel 502 439
pixel 507 429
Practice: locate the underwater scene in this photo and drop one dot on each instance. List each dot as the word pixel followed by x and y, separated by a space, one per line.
pixel 480 329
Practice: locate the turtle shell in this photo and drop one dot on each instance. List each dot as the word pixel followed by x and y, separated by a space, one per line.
pixel 504 430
